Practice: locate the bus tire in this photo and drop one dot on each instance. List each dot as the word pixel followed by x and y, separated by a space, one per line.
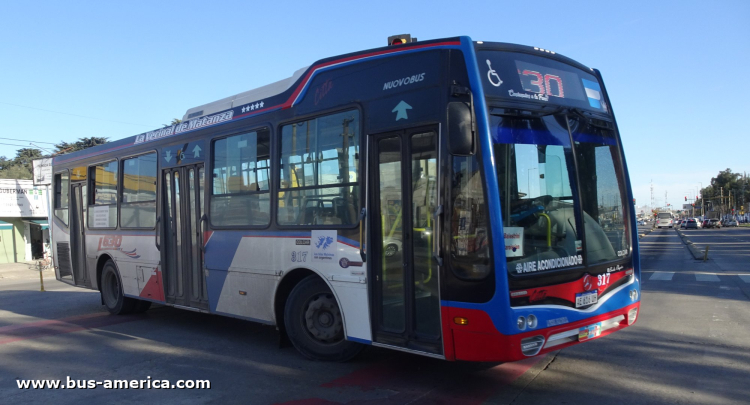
pixel 314 323
pixel 141 306
pixel 112 296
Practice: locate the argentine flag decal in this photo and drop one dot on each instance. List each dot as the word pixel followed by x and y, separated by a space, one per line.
pixel 593 92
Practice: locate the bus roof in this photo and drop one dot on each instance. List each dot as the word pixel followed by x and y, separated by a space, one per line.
pixel 246 97
pixel 279 95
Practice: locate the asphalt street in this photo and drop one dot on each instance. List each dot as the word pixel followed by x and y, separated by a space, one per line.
pixel 690 345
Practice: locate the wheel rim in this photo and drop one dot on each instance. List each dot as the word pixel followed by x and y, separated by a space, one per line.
pixel 111 290
pixel 322 319
pixel 390 250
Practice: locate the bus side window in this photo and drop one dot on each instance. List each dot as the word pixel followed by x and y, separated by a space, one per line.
pixel 318 177
pixel 62 190
pixel 241 195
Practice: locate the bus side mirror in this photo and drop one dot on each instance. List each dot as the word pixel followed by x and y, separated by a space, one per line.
pixel 460 129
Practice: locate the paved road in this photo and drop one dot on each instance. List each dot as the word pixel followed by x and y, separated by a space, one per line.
pixel 691 345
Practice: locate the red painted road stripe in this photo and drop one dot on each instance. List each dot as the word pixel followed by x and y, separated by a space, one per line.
pixel 38 329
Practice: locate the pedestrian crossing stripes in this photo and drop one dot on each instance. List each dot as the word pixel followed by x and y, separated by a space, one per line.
pixel 702 277
pixel 706 277
pixel 662 276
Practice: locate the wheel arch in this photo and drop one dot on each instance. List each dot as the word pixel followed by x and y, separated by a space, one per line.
pixel 288 281
pixel 100 261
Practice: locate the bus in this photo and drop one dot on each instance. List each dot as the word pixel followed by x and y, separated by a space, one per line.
pixel 450 198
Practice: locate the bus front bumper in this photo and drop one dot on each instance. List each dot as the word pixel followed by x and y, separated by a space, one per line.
pixel 479 340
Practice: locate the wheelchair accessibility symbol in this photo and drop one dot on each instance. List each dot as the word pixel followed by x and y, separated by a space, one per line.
pixel 492 76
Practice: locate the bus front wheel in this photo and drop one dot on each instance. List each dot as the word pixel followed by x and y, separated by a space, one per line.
pixel 111 288
pixel 314 323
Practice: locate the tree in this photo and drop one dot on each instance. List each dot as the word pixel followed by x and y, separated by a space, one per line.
pixel 80 144
pixel 20 167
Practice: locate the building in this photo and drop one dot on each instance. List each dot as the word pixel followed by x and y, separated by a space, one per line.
pixel 24 231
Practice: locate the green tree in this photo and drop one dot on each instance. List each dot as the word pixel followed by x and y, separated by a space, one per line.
pixel 20 167
pixel 16 172
pixel 175 121
pixel 80 144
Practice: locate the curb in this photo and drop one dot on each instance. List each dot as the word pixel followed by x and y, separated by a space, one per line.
pixel 697 254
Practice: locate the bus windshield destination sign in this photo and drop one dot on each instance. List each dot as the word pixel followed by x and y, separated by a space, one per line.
pixel 529 77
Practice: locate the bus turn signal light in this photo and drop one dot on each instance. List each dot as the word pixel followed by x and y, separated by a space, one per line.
pixel 460 321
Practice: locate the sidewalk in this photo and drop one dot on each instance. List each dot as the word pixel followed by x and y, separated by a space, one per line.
pixel 23 270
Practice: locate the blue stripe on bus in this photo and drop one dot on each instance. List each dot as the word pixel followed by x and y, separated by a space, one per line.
pixel 358 340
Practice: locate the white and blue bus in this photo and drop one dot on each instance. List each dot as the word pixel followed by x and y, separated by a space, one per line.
pixel 455 199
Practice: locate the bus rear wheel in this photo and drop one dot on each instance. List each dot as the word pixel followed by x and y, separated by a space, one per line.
pixel 111 289
pixel 314 323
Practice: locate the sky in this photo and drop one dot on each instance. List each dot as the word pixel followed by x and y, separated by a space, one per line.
pixel 674 69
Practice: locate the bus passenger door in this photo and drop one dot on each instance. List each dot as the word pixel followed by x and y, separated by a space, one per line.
pixel 403 192
pixel 184 283
pixel 78 234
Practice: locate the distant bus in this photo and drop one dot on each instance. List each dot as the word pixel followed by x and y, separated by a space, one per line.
pixel 454 199
pixel 664 219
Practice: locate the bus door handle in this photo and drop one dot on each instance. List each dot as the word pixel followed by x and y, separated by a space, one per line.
pixel 204 219
pixel 437 232
pixel 157 236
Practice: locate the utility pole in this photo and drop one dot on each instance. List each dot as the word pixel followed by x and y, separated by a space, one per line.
pixel 652 194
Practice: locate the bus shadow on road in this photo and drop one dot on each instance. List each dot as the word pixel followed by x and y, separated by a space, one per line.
pixel 644 363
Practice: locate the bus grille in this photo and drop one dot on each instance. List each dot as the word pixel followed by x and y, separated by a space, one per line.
pixel 63 259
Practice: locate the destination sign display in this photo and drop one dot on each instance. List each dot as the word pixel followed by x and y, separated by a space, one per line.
pixel 521 76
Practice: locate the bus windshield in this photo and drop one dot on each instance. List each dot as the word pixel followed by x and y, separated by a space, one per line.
pixel 561 190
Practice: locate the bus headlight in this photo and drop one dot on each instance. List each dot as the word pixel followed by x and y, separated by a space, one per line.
pixel 632 314
pixel 521 323
pixel 531 321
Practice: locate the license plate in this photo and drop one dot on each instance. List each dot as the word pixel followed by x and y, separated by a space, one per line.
pixel 589 332
pixel 586 298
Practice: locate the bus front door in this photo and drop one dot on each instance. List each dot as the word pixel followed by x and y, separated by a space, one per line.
pixel 403 200
pixel 184 282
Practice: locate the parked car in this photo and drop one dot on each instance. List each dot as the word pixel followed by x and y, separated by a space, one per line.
pixel 682 223
pixel 691 223
pixel 731 222
pixel 705 223
pixel 391 246
pixel 714 223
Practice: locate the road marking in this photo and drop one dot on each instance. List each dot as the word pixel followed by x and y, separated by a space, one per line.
pixel 706 277
pixel 745 277
pixel 662 276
